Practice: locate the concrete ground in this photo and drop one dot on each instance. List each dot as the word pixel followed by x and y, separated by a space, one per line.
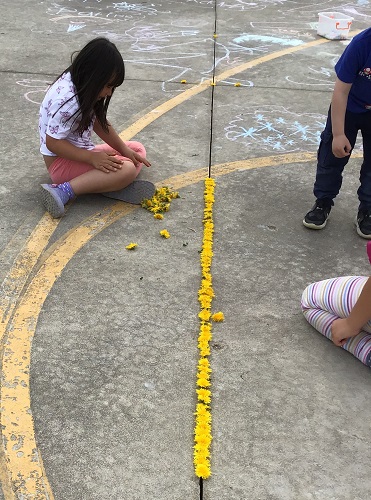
pixel 106 410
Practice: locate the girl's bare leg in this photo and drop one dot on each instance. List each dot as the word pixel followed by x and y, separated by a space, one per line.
pixel 96 181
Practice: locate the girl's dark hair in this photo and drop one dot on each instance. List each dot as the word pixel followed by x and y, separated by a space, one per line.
pixel 96 65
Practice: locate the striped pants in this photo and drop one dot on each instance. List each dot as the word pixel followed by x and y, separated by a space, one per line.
pixel 325 301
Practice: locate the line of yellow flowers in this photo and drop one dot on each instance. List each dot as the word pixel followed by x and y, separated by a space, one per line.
pixel 203 437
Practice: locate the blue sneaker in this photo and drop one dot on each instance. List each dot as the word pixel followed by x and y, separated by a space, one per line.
pixel 54 199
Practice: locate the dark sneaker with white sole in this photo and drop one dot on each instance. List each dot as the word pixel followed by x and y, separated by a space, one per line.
pixel 317 217
pixel 134 193
pixel 363 223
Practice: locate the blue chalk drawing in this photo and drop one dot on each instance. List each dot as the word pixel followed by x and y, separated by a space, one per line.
pixel 75 27
pixel 292 42
pixel 275 128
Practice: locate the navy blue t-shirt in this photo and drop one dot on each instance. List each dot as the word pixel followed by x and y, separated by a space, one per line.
pixel 354 66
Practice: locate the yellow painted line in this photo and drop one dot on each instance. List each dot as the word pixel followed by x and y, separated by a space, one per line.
pixel 182 180
pixel 22 266
pixel 11 289
pixel 160 110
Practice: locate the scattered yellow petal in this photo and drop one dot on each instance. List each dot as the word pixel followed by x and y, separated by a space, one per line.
pixel 158 216
pixel 213 84
pixel 215 35
pixel 219 316
pixel 183 81
pixel 237 84
pixel 131 246
pixel 165 234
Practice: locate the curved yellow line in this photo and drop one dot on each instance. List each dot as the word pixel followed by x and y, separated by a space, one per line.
pixel 22 266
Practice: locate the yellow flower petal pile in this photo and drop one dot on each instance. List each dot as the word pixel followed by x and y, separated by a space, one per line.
pixel 203 438
pixel 160 201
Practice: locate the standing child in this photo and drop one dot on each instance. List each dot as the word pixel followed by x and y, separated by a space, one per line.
pixel 74 106
pixel 349 112
pixel 340 309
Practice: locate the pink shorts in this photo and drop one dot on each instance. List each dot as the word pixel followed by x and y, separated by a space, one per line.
pixel 62 170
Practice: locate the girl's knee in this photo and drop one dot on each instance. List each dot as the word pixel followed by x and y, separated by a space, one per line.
pixel 128 172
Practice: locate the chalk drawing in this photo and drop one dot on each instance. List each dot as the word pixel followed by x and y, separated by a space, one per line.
pixel 240 5
pixel 275 128
pixel 39 87
pixel 75 27
pixel 320 76
pixel 284 29
pixel 98 14
pixel 292 42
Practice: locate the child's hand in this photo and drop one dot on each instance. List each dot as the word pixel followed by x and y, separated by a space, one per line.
pixel 341 146
pixel 105 162
pixel 137 159
pixel 341 331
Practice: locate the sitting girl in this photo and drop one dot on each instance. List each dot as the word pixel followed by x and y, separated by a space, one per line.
pixel 74 106
pixel 340 309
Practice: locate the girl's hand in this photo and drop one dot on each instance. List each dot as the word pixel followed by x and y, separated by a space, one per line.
pixel 105 162
pixel 341 146
pixel 136 158
pixel 341 331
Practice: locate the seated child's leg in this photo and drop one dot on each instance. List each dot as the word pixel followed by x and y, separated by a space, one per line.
pixel 62 170
pixel 325 301
pixel 71 178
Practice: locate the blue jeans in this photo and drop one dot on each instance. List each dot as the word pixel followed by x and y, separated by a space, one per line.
pixel 330 169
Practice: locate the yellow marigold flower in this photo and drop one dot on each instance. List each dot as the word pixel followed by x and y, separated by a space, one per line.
pixel 204 315
pixel 203 382
pixel 201 409
pixel 165 234
pixel 237 84
pixel 219 316
pixel 158 216
pixel 131 246
pixel 204 364
pixel 204 350
pixel 204 374
pixel 203 470
pixel 205 336
pixel 204 395
pixel 183 81
pixel 204 438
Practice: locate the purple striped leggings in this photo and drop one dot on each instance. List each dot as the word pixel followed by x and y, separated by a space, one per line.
pixel 325 301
